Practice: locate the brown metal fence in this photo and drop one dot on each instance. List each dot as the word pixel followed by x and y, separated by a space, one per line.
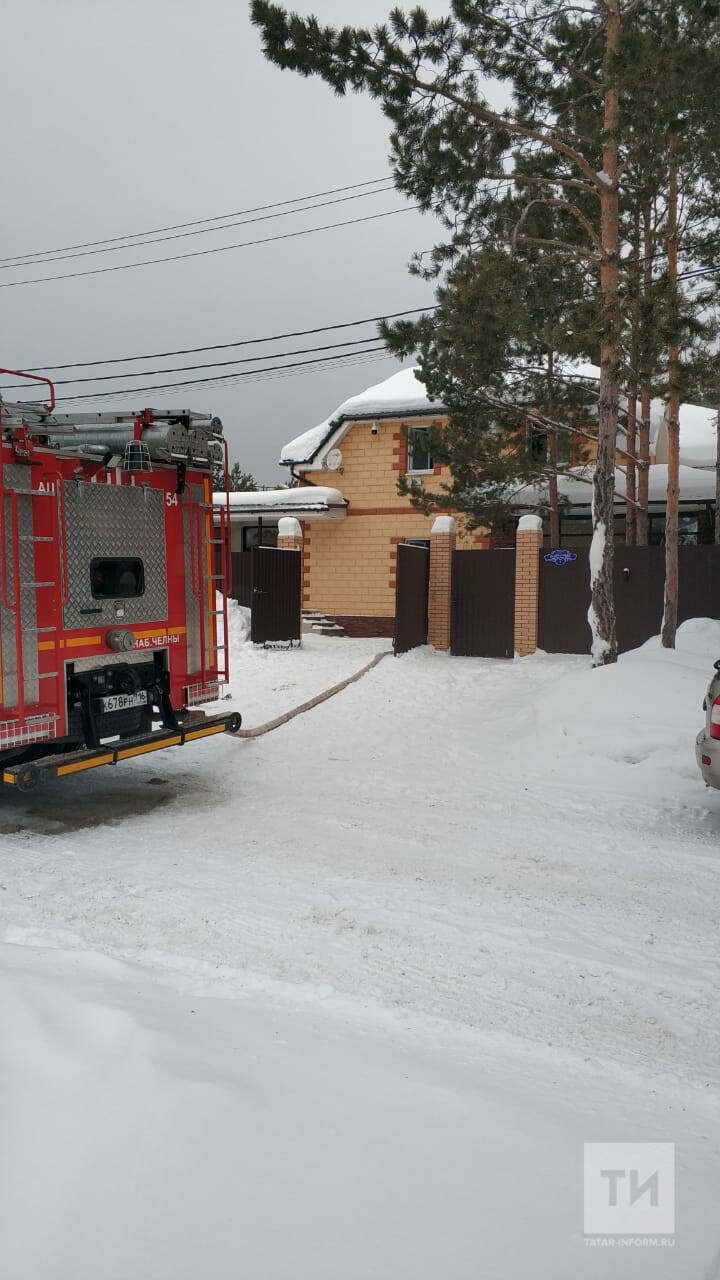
pixel 276 595
pixel 563 605
pixel 639 583
pixel 483 603
pixel 241 589
pixel 411 597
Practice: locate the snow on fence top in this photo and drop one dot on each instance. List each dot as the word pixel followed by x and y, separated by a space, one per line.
pixel 399 396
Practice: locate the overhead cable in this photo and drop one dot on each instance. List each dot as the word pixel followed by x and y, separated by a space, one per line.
pixel 259 375
pixel 202 253
pixel 196 222
pixel 218 380
pixel 225 346
pixel 201 231
pixel 190 368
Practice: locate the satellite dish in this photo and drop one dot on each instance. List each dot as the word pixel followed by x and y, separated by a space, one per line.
pixel 333 462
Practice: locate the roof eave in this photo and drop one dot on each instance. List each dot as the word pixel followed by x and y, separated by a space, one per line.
pixel 359 417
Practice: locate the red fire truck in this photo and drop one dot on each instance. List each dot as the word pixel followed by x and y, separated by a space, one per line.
pixel 113 585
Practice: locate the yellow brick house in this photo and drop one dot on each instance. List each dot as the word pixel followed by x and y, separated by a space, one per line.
pixel 361 450
pixel 358 454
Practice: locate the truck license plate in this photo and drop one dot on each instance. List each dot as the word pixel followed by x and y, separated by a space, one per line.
pixel 121 701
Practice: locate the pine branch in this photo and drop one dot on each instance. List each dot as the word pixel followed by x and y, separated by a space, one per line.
pixel 568 207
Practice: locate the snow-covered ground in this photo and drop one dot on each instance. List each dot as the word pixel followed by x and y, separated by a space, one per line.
pixel 346 1000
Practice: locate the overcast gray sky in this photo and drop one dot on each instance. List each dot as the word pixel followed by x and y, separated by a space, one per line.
pixel 125 116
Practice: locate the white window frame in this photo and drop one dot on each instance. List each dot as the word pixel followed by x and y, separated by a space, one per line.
pixel 418 471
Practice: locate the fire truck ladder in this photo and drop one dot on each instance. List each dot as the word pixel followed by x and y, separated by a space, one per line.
pixel 29 724
pixel 210 575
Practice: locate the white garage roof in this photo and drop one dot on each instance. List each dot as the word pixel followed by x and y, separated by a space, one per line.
pixel 307 502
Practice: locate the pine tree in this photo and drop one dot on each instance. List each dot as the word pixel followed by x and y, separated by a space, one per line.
pixel 673 151
pixel 239 481
pixel 598 92
pixel 492 354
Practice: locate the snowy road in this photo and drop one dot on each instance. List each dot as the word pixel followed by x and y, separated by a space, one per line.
pixel 490 887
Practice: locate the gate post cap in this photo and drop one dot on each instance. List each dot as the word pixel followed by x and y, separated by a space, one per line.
pixel 443 524
pixel 530 522
pixel 289 527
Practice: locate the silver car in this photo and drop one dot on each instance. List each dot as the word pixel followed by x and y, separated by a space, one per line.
pixel 707 743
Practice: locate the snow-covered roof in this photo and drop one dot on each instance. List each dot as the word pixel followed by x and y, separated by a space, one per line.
pixel 401 395
pixel 306 501
pixel 698 436
pixel 696 485
pixel 698 426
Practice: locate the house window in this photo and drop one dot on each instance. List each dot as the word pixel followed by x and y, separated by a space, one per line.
pixel 419 456
pixel 537 444
pixel 688 531
pixel 250 537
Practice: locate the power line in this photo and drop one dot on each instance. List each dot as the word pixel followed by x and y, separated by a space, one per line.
pixel 218 379
pixel 202 231
pixel 190 368
pixel 197 222
pixel 202 253
pixel 698 272
pixel 259 375
pixel 225 346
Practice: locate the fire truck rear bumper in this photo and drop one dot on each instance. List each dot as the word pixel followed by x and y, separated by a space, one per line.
pixel 25 777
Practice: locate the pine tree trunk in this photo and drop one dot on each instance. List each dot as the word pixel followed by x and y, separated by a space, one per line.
pixel 552 456
pixel 601 614
pixel 553 490
pixel 630 475
pixel 717 479
pixel 643 476
pixel 672 510
pixel 632 393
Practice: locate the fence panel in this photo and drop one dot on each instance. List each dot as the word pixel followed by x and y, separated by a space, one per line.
pixel 411 597
pixel 639 585
pixel 564 600
pixel 483 603
pixel 699 576
pixel 276 595
pixel 241 589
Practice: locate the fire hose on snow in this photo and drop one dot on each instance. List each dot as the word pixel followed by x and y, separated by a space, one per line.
pixel 260 729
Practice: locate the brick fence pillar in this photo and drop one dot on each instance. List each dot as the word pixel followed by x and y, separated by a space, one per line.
pixel 442 545
pixel 527 582
pixel 289 534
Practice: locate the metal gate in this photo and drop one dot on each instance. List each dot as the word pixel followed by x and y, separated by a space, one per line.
pixel 639 590
pixel 564 599
pixel 241 589
pixel 483 604
pixel 639 586
pixel 411 597
pixel 699 575
pixel 276 595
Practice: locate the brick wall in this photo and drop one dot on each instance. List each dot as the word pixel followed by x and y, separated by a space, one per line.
pixel 527 576
pixel 349 565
